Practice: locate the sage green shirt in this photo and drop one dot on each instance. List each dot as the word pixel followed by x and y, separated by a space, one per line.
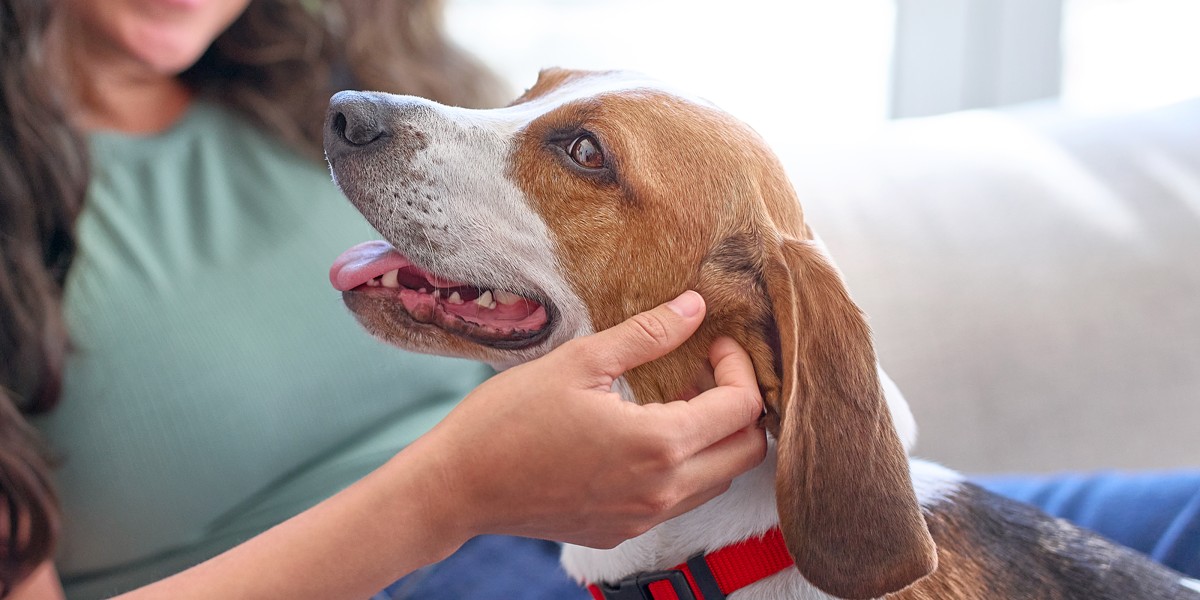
pixel 217 384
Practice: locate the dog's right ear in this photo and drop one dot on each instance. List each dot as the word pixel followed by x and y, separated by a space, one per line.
pixel 846 502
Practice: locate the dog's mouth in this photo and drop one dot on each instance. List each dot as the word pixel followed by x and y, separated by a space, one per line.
pixel 488 316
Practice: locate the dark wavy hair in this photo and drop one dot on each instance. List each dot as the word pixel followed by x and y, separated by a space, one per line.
pixel 277 65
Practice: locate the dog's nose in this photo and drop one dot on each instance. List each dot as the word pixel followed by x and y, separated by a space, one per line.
pixel 363 123
pixel 355 119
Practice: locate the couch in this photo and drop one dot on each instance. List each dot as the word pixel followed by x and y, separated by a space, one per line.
pixel 1032 277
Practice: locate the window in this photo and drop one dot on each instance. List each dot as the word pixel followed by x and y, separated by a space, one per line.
pixel 814 67
pixel 803 66
pixel 1130 54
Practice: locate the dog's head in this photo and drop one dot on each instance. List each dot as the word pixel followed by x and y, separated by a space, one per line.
pixel 599 195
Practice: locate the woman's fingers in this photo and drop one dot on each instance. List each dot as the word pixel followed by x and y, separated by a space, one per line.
pixel 643 337
pixel 732 366
pixel 717 413
pixel 711 470
pixel 566 463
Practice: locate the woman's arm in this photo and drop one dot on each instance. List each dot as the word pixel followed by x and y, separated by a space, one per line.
pixel 545 450
pixel 42 584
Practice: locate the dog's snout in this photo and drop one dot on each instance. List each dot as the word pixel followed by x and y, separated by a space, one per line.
pixel 355 120
pixel 360 121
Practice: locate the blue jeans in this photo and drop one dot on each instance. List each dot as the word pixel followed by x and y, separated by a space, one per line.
pixel 1157 514
pixel 491 567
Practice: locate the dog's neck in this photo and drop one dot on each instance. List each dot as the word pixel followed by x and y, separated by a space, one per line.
pixel 745 510
pixel 902 417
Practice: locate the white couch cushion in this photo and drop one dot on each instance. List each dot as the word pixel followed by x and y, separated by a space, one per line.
pixel 1032 277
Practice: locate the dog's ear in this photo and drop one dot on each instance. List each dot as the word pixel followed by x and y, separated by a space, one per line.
pixel 846 502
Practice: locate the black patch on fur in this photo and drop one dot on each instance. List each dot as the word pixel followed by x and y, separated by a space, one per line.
pixel 1028 554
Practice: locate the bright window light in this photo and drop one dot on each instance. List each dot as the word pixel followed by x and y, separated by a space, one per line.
pixel 1130 54
pixel 800 68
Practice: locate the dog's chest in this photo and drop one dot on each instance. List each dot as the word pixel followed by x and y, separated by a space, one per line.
pixel 746 509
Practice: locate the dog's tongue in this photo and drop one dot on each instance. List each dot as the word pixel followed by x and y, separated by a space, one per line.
pixel 369 260
pixel 428 297
pixel 364 262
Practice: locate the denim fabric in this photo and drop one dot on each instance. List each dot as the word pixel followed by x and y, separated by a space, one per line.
pixel 492 567
pixel 1157 514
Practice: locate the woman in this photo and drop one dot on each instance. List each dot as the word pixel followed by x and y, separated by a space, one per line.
pixel 166 222
pixel 165 226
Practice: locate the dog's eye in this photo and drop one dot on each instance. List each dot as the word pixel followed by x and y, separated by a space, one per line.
pixel 585 151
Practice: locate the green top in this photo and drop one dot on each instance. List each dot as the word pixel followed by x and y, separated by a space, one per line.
pixel 217 384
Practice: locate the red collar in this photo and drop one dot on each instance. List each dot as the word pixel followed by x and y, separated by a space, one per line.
pixel 709 576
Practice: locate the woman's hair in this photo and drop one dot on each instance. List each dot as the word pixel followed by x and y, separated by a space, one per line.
pixel 277 65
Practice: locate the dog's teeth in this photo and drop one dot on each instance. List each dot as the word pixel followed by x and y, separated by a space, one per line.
pixel 485 300
pixel 437 293
pixel 423 291
pixel 373 282
pixel 506 298
pixel 389 279
pixel 454 298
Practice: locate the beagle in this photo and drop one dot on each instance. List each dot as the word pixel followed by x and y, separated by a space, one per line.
pixel 595 196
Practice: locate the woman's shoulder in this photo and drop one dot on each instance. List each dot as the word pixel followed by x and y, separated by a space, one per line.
pixel 204 125
pixel 211 159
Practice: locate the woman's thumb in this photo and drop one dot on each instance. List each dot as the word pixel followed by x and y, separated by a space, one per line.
pixel 647 335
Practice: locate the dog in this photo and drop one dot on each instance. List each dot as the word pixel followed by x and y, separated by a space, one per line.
pixel 597 195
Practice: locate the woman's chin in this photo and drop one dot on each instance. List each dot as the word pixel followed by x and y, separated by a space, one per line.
pixel 163 50
pixel 167 40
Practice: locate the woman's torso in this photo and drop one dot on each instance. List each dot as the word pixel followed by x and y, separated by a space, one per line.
pixel 216 384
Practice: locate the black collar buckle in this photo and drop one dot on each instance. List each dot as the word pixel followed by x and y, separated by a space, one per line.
pixel 637 587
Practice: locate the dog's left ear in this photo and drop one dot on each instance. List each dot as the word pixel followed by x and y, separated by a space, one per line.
pixel 846 502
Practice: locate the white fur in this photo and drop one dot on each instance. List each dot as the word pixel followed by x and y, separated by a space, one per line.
pixel 932 482
pixel 497 237
pixel 621 387
pixel 494 234
pixel 485 229
pixel 745 510
pixel 902 417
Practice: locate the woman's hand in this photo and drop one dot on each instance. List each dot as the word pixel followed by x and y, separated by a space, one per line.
pixel 543 450
pixel 548 450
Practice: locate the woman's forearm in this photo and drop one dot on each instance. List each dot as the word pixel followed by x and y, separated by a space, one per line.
pixel 545 449
pixel 42 584
pixel 352 545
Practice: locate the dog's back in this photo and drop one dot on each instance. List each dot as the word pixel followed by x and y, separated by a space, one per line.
pixel 1008 549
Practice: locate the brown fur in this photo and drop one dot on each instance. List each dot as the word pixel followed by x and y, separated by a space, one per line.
pixel 701 203
pixel 690 198
pixel 993 547
pixel 960 573
pixel 607 247
pixel 846 502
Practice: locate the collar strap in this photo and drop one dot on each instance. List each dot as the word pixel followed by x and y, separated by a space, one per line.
pixel 710 576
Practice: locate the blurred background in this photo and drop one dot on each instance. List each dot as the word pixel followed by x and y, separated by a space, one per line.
pixel 815 67
pixel 1012 188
